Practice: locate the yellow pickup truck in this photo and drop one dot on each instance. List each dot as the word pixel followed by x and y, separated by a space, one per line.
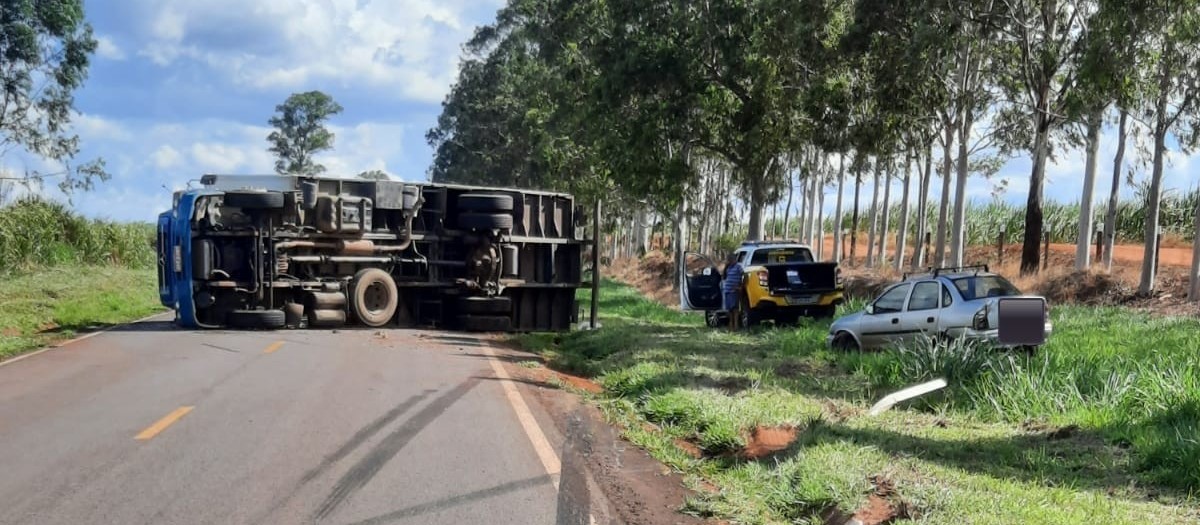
pixel 781 282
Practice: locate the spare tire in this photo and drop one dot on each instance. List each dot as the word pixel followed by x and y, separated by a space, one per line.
pixel 254 200
pixel 257 319
pixel 374 297
pixel 485 305
pixel 485 221
pixel 489 202
pixel 485 323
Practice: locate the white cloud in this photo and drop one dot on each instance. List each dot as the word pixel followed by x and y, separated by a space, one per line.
pixel 166 157
pixel 108 49
pixel 405 48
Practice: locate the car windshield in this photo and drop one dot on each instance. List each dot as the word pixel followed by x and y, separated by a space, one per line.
pixel 781 255
pixel 981 286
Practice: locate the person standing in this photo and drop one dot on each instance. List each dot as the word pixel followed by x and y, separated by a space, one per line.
pixel 731 288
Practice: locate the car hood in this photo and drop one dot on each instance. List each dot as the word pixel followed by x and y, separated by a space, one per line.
pixel 846 322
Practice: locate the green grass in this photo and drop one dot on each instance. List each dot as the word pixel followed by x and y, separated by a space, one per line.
pixel 41 306
pixel 1121 389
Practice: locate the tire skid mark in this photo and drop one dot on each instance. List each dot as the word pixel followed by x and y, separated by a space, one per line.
pixel 370 465
pixel 462 499
pixel 362 435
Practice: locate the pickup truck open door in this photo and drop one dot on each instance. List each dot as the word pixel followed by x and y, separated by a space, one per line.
pixel 700 284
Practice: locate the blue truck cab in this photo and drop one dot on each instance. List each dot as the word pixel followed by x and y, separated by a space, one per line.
pixel 269 252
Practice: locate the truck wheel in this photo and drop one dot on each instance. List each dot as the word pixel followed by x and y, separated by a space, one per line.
pixel 257 319
pixel 748 317
pixel 254 200
pixel 485 221
pixel 485 323
pixel 374 297
pixel 822 312
pixel 485 305
pixel 486 202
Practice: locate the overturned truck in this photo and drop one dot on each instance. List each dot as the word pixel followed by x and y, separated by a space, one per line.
pixel 272 252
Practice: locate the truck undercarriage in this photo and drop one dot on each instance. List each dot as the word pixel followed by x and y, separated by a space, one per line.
pixel 253 252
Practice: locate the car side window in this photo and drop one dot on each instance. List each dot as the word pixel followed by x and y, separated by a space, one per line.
pixel 947 299
pixel 924 297
pixel 892 300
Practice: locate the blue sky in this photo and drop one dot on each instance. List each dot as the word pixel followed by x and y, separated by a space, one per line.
pixel 184 87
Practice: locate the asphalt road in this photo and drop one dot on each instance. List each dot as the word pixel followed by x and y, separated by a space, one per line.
pixel 152 424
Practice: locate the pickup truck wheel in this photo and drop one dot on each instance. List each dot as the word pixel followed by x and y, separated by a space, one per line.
pixel 257 319
pixel 485 323
pixel 486 202
pixel 485 305
pixel 822 312
pixel 485 221
pixel 254 200
pixel 374 297
pixel 748 318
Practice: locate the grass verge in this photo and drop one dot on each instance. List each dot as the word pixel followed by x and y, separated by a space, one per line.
pixel 1099 427
pixel 40 307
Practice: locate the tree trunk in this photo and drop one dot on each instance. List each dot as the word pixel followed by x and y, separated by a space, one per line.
pixel 787 210
pixel 854 215
pixel 1152 206
pixel 939 256
pixel 758 197
pixel 887 209
pixel 918 258
pixel 1083 244
pixel 814 191
pixel 871 231
pixel 902 233
pixel 837 210
pixel 680 241
pixel 1032 243
pixel 1110 215
pixel 1194 275
pixel 820 221
pixel 958 235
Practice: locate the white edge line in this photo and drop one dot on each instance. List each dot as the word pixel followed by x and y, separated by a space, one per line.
pixel 88 335
pixel 541 445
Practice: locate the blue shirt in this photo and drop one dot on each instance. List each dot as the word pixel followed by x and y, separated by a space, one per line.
pixel 733 278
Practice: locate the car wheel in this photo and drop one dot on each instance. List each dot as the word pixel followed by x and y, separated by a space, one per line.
pixel 257 319
pixel 711 319
pixel 374 297
pixel 845 342
pixel 254 200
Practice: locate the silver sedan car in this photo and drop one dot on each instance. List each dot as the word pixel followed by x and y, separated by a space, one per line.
pixel 951 303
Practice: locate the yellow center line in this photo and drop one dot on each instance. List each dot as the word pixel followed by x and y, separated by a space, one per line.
pixel 274 346
pixel 162 424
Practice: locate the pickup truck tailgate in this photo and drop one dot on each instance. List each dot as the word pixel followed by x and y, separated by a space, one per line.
pixel 800 277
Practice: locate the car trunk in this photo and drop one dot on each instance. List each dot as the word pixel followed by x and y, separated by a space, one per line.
pixel 788 278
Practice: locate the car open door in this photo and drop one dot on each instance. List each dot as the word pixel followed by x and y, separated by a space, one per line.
pixel 700 284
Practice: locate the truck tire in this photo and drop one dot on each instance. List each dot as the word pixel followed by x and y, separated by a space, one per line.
pixel 374 297
pixel 485 202
pixel 257 319
pixel 485 221
pixel 822 312
pixel 254 200
pixel 749 318
pixel 485 323
pixel 485 305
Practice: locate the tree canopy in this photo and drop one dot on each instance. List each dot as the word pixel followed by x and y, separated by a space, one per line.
pixel 300 132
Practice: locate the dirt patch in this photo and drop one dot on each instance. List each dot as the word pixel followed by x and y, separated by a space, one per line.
pixel 47 327
pixel 653 275
pixel 549 378
pixel 765 441
pixel 689 448
pixel 1063 432
pixel 586 385
pixel 602 473
pixel 11 332
pixel 1090 288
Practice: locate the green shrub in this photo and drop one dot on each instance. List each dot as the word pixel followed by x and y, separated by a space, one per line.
pixel 35 232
